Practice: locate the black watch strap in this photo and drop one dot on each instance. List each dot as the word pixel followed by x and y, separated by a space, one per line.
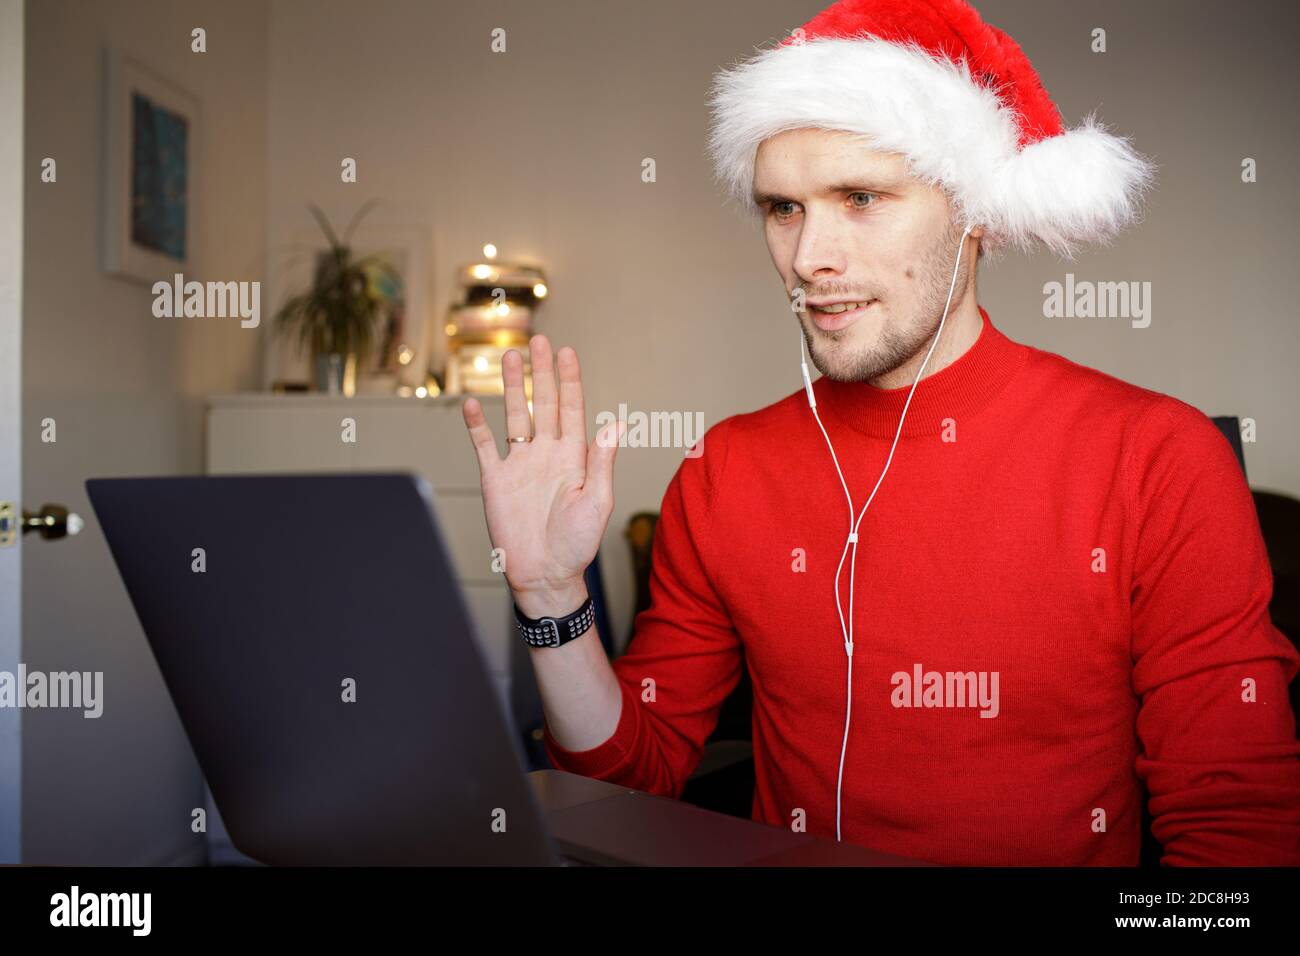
pixel 555 631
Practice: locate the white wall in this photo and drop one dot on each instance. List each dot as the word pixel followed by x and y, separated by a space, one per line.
pixel 670 302
pixel 125 389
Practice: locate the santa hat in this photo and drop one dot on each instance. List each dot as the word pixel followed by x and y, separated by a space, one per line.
pixel 957 97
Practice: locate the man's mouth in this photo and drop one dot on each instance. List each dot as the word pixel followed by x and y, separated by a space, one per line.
pixel 830 316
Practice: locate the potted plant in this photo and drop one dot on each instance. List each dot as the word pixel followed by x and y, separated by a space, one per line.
pixel 338 317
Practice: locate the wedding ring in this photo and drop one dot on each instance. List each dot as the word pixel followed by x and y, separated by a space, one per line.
pixel 512 440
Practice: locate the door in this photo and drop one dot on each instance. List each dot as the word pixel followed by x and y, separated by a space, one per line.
pixel 11 275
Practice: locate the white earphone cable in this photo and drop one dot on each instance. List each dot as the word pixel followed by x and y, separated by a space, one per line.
pixel 852 540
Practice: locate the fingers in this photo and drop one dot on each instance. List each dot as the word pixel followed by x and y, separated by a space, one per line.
pixel 518 423
pixel 485 446
pixel 600 466
pixel 573 413
pixel 544 411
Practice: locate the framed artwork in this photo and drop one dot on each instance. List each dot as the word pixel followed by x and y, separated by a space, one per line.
pixel 402 346
pixel 151 141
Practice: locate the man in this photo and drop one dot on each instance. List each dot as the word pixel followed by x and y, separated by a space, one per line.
pixel 1042 586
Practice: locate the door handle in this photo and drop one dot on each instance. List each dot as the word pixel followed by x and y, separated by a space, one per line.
pixel 53 521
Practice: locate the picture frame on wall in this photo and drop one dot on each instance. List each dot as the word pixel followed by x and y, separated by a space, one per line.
pixel 151 142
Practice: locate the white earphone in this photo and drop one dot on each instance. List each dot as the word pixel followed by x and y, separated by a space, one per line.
pixel 853 525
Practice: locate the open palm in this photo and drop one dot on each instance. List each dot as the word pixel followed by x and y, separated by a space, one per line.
pixel 549 500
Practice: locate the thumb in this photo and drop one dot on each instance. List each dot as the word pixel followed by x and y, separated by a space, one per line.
pixel 600 463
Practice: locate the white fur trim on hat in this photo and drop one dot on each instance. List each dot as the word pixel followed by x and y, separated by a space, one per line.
pixel 1081 186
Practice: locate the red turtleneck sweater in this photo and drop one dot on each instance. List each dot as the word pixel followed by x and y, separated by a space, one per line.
pixel 1089 545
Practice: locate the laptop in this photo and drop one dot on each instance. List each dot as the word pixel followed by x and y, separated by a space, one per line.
pixel 319 653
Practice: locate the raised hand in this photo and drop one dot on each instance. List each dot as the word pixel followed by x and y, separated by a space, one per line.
pixel 549 500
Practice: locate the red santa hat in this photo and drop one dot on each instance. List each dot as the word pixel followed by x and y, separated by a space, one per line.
pixel 957 97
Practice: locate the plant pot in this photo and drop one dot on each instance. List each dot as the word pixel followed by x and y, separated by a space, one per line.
pixel 335 373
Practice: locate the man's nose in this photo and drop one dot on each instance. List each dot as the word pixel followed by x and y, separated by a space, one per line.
pixel 820 251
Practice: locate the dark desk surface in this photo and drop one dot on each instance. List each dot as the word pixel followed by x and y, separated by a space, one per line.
pixel 606 823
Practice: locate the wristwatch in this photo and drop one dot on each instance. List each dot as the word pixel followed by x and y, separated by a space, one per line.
pixel 555 631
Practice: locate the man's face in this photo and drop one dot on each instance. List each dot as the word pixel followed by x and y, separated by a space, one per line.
pixel 849 224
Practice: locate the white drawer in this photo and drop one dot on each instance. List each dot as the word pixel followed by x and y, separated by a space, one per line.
pixel 289 439
pixel 393 439
pixel 427 438
pixel 464 528
pixel 296 434
pixel 454 462
pixel 493 616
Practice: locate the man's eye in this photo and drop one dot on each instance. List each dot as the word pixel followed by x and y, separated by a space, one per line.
pixel 777 209
pixel 862 205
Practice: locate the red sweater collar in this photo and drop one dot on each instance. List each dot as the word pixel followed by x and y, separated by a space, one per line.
pixel 959 389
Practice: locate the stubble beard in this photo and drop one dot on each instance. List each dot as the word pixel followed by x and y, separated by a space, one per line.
pixel 898 340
